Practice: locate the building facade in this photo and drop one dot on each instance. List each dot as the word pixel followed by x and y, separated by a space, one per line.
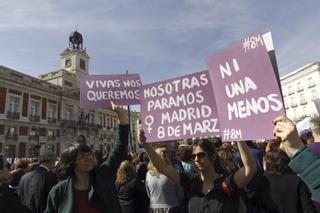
pixel 42 114
pixel 300 88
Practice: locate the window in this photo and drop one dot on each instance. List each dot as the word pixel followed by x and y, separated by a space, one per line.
pixel 115 123
pixel 305 111
pixel 284 93
pixel 52 111
pixel 293 102
pixel 299 87
pixel 14 104
pixel 314 94
pixel 12 133
pixel 34 151
pixel 69 114
pixel 50 133
pixel 286 105
pixel 108 123
pixel 91 118
pixel 10 151
pixel 82 64
pixel 34 111
pixel 290 90
pixel 34 134
pixel 51 148
pixel 100 120
pixel 303 99
pixel 34 108
pixel 311 82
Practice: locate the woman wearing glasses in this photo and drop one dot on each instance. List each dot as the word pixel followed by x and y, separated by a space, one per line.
pixel 212 190
pixel 89 188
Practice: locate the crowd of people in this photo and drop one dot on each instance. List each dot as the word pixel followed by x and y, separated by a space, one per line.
pixel 277 176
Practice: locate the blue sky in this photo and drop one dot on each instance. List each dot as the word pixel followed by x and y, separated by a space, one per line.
pixel 160 39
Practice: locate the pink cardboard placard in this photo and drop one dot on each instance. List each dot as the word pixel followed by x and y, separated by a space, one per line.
pixel 179 108
pixel 100 90
pixel 246 90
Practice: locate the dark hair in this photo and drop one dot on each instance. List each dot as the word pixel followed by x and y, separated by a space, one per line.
pixel 250 144
pixel 81 139
pixel 144 157
pixel 185 154
pixel 65 166
pixel 210 149
pixel 217 142
pixel 99 156
pixel 277 162
pixel 2 162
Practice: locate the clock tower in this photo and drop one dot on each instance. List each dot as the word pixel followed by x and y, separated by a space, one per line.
pixel 75 58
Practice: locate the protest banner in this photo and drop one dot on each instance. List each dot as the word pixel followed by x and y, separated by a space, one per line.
pixel 100 90
pixel 246 90
pixel 179 108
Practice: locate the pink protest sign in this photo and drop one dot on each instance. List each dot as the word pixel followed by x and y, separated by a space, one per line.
pixel 246 90
pixel 179 108
pixel 100 90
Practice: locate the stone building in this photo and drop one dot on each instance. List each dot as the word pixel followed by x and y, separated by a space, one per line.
pixel 41 114
pixel 300 88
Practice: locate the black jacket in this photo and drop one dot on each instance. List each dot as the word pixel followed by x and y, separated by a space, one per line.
pixel 34 188
pixel 102 194
pixel 287 193
pixel 10 202
pixel 133 196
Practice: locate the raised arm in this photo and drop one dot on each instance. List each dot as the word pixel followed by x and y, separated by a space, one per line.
pixel 243 176
pixel 119 151
pixel 158 162
pixel 287 132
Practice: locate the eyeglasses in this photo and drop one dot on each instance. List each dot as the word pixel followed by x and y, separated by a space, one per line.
pixel 199 155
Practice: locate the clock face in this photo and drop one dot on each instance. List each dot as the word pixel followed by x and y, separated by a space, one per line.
pixel 68 63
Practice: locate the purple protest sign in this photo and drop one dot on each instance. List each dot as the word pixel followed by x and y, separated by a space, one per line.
pixel 246 90
pixel 100 90
pixel 179 108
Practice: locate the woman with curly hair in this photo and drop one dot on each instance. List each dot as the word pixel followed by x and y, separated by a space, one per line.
pixel 131 191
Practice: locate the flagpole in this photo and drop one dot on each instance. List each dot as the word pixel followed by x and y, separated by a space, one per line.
pixel 129 119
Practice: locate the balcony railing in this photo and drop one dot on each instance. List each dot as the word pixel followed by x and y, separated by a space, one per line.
pixel 291 92
pixel 52 120
pixel 312 84
pixel 303 102
pixel 299 89
pixel 51 137
pixel 12 136
pixel 13 115
pixel 67 122
pixel 294 105
pixel 74 123
pixel 34 137
pixel 34 117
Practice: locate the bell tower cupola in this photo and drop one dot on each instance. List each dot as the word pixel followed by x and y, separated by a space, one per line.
pixel 75 58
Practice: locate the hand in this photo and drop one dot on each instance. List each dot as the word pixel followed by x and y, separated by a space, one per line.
pixel 122 114
pixel 287 132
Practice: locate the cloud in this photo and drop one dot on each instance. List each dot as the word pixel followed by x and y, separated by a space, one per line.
pixel 158 39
